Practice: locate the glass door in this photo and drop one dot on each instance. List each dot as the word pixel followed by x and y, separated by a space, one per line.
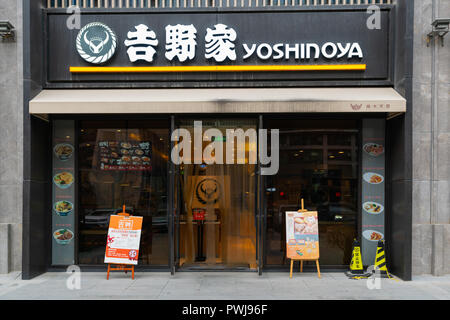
pixel 215 217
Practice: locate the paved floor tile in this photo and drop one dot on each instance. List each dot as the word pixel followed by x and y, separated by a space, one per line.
pixel 219 286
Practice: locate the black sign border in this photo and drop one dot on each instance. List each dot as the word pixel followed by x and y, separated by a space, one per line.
pixel 136 84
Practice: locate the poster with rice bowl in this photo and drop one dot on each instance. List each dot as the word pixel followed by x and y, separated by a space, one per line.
pixel 124 236
pixel 302 235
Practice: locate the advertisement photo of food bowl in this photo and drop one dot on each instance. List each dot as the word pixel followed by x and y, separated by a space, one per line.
pixel 63 180
pixel 63 236
pixel 373 235
pixel 63 208
pixel 63 151
pixel 373 178
pixel 373 149
pixel 373 207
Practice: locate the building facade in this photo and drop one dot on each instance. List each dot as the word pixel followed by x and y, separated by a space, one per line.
pixel 11 172
pixel 358 103
pixel 430 144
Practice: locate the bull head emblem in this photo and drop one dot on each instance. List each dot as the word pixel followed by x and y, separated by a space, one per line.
pixel 96 49
pixel 207 191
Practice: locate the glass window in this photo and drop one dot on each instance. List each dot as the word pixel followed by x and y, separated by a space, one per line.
pixel 123 163
pixel 320 165
pixel 339 139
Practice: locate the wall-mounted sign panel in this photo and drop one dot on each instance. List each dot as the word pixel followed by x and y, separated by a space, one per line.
pixel 209 46
pixel 64 193
pixel 373 173
pixel 125 155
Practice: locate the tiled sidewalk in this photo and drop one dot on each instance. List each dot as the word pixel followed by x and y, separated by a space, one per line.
pixel 219 286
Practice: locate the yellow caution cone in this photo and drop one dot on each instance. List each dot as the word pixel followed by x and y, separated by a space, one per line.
pixel 380 260
pixel 356 265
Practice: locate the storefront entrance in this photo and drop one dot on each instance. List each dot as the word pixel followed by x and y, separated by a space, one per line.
pixel 98 136
pixel 215 224
pixel 226 216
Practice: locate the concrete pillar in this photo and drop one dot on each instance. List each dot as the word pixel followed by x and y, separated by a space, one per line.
pixel 438 250
pixel 11 142
pixel 431 143
pixel 439 257
pixel 4 248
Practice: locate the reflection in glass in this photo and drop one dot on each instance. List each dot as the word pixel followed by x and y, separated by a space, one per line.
pixel 123 163
pixel 217 222
pixel 319 162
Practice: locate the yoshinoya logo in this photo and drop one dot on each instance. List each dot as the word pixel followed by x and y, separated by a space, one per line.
pixel 208 191
pixel 96 43
pixel 379 106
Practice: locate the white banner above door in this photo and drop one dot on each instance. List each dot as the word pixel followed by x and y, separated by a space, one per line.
pixel 237 100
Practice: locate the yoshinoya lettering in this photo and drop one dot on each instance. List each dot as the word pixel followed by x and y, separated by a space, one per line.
pixel 96 43
pixel 303 51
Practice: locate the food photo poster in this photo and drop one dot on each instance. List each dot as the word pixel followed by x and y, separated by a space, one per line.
pixel 373 187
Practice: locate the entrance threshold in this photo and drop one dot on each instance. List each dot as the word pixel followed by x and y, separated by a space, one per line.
pixel 200 268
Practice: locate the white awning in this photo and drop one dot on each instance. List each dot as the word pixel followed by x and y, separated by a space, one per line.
pixel 239 100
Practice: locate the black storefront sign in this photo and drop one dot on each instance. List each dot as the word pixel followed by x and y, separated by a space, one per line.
pixel 261 38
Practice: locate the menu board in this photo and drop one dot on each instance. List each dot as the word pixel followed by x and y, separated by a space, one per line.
pixel 124 236
pixel 63 193
pixel 302 235
pixel 373 187
pixel 125 155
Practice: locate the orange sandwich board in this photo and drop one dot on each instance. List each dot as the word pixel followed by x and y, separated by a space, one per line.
pixel 122 247
pixel 302 237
